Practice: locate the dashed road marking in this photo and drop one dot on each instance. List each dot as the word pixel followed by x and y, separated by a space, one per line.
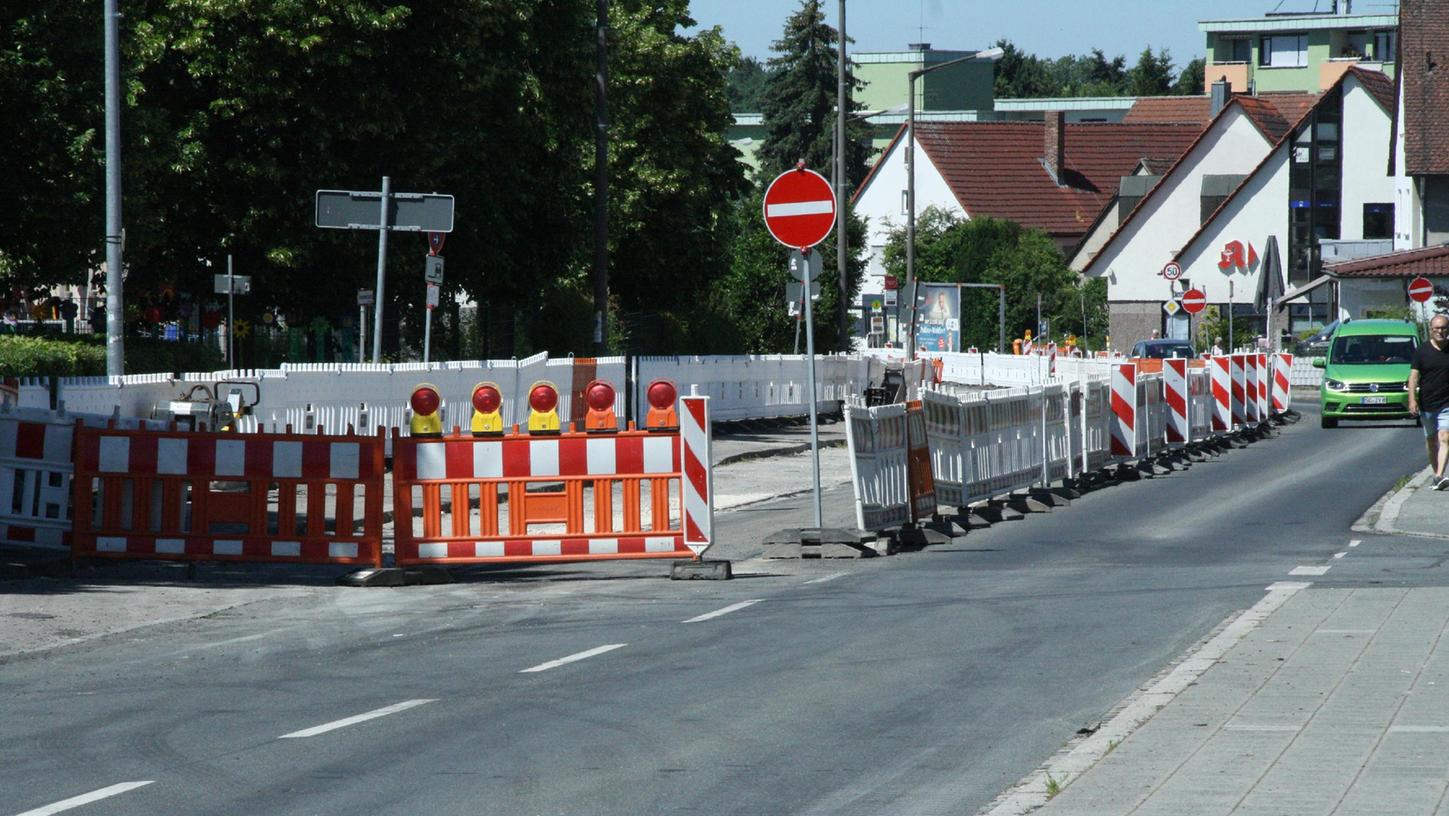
pixel 1340 555
pixel 573 658
pixel 86 798
pixel 1355 542
pixel 725 611
pixel 825 578
pixel 1308 570
pixel 343 723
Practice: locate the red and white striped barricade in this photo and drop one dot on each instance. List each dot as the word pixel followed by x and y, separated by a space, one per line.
pixel 1175 394
pixel 534 494
pixel 879 461
pixel 209 496
pixel 1282 382
pixel 1124 411
pixel 1251 381
pixel 1239 389
pixel 1052 359
pixel 35 473
pixel 1265 386
pixel 1222 385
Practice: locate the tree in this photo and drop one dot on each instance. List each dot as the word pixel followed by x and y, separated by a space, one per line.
pixel 1190 81
pixel 1020 75
pixel 1152 75
pixel 1106 73
pixel 799 101
pixel 747 86
pixel 988 250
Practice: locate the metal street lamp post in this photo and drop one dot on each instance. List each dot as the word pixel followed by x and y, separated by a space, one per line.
pixel 990 53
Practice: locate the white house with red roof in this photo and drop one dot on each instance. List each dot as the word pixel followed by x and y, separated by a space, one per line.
pixel 1302 176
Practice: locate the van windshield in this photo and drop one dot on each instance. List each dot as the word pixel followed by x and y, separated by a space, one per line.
pixel 1373 349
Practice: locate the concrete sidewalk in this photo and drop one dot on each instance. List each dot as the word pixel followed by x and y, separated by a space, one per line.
pixel 1414 509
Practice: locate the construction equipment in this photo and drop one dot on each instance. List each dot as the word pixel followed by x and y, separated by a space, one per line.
pixel 211 407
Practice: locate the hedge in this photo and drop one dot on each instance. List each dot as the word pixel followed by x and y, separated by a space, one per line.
pixel 42 357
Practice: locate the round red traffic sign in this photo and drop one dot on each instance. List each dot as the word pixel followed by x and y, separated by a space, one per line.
pixel 1193 301
pixel 1172 270
pixel 799 208
pixel 1420 290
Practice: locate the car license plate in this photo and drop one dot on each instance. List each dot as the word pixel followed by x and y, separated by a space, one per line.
pixel 1375 400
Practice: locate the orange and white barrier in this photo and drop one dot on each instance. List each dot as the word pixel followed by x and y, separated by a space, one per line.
pixel 1124 410
pixel 1265 385
pixel 1282 382
pixel 1239 363
pixel 1222 385
pixel 1175 394
pixel 208 496
pixel 551 497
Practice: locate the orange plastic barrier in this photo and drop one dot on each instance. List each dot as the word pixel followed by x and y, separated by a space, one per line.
pixel 224 496
pixel 545 498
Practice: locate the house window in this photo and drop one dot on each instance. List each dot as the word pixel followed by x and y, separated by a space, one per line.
pixel 1284 51
pixel 1240 50
pixel 1378 221
pixel 1386 46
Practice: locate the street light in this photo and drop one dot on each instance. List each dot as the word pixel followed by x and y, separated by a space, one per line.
pixel 990 53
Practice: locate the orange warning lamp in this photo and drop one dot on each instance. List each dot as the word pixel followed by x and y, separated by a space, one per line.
pixel 599 396
pixel 543 408
pixel 425 403
pixel 487 410
pixel 661 395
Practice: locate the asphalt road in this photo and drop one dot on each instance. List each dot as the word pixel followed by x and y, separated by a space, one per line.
pixel 920 684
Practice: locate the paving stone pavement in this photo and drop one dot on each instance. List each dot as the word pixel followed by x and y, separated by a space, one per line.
pixel 1336 703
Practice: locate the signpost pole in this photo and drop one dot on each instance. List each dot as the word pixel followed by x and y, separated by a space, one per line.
pixel 381 270
pixel 230 314
pixel 427 332
pixel 1230 317
pixel 810 382
pixel 361 334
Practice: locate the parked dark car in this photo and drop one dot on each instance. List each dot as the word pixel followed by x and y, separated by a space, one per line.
pixel 1161 349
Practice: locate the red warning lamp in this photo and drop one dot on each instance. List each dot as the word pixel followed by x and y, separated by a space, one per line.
pixel 662 417
pixel 599 396
pixel 543 408
pixel 487 414
pixel 425 403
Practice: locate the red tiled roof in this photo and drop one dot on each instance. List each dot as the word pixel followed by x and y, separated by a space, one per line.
pixel 1423 61
pixel 1265 115
pixel 1158 110
pixel 995 168
pixel 1291 105
pixel 1406 263
pixel 1378 84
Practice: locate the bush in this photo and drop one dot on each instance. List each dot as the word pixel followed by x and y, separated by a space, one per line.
pixel 45 357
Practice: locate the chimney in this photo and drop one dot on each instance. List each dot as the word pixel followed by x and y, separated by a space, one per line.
pixel 1054 157
pixel 1221 91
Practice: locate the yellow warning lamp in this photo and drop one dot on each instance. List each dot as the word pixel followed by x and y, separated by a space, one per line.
pixel 487 410
pixel 661 395
pixel 543 408
pixel 600 418
pixel 427 420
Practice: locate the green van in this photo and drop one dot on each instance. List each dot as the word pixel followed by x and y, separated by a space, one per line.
pixel 1366 372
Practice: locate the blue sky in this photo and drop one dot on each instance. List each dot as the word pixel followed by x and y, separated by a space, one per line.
pixel 1047 28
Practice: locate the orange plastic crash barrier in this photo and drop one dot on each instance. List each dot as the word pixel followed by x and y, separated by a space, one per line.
pixel 572 496
pixel 918 458
pixel 200 496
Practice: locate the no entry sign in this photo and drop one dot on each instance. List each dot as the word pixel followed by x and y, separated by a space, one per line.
pixel 1193 301
pixel 1420 290
pixel 799 208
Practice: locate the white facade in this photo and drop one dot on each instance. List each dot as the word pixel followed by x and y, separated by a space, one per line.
pixel 1408 224
pixel 1259 210
pixel 1171 213
pixel 1366 179
pixel 882 202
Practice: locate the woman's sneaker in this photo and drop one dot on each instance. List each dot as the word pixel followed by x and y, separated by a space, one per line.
pixel 1441 483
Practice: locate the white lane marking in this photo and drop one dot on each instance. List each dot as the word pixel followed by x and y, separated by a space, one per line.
pixel 821 207
pixel 728 609
pixel 1355 542
pixel 343 723
pixel 1335 555
pixel 1418 729
pixel 86 798
pixel 1289 585
pixel 1308 570
pixel 553 664
pixel 826 578
pixel 1261 727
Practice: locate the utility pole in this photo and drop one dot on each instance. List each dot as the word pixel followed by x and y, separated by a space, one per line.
pixel 115 314
pixel 841 102
pixel 601 175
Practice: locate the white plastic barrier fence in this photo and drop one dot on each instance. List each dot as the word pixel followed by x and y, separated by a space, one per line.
pixel 35 473
pixel 1302 372
pixel 1151 419
pixel 879 465
pixel 1200 404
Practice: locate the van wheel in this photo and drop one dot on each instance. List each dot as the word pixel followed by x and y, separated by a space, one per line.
pixel 1327 422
